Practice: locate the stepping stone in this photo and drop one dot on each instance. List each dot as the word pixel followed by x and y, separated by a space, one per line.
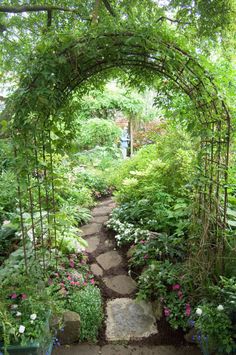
pixel 122 284
pixel 93 243
pixel 101 211
pixel 128 319
pixel 112 205
pixel 100 219
pixel 96 270
pixel 92 228
pixel 109 260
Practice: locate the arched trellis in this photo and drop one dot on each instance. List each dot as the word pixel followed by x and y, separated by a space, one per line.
pixel 61 69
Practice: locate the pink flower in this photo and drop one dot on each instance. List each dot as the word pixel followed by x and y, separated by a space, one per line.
pixel 85 284
pixel 167 311
pixel 180 295
pixel 72 264
pixel 62 284
pixel 142 241
pixel 72 283
pixel 23 296
pixel 56 274
pixel 13 296
pixel 92 281
pixel 69 278
pixel 146 256
pixel 188 310
pixel 176 287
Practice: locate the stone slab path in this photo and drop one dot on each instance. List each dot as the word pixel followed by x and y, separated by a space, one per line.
pixel 126 319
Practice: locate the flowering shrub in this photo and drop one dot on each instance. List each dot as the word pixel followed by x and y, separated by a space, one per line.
pixel 72 274
pixel 24 312
pixel 156 247
pixel 214 329
pixel 127 232
pixel 164 281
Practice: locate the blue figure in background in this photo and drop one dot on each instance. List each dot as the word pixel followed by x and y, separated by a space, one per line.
pixel 124 142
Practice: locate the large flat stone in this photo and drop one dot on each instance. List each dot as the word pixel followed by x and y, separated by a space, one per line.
pixel 93 243
pixel 109 259
pixel 100 219
pixel 122 284
pixel 90 229
pixel 96 270
pixel 101 211
pixel 128 319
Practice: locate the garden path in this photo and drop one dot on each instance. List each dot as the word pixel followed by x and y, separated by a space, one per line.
pixel 126 320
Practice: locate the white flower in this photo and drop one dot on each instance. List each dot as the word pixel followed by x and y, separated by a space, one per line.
pixel 32 322
pixel 33 316
pixel 5 223
pixel 199 311
pixel 18 314
pixel 220 307
pixel 21 329
pixel 14 306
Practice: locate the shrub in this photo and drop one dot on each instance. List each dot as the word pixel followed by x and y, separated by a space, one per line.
pixel 88 303
pixel 99 132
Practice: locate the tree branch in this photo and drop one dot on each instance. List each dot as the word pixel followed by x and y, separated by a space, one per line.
pixel 109 8
pixel 35 8
pixel 162 18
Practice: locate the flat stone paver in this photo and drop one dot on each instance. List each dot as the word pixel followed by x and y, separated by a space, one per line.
pixel 96 270
pixel 90 229
pixel 122 284
pixel 93 243
pixel 101 211
pixel 128 319
pixel 110 349
pixel 100 219
pixel 109 259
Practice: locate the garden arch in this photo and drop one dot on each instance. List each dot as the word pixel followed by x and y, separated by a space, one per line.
pixel 59 69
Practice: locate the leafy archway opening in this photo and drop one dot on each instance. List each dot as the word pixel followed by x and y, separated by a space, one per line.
pixel 73 63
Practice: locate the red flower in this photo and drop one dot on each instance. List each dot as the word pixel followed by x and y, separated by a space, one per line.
pixel 92 281
pixel 167 311
pixel 72 264
pixel 188 310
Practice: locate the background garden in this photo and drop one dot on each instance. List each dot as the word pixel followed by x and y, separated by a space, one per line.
pixel 60 154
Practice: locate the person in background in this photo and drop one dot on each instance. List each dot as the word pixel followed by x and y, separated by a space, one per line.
pixel 124 142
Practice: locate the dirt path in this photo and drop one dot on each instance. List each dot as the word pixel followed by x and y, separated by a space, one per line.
pixel 126 321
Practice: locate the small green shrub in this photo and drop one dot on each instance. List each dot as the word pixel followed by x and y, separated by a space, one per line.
pixel 88 303
pixel 99 132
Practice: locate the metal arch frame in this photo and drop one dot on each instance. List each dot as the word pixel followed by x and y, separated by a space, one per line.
pixel 131 50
